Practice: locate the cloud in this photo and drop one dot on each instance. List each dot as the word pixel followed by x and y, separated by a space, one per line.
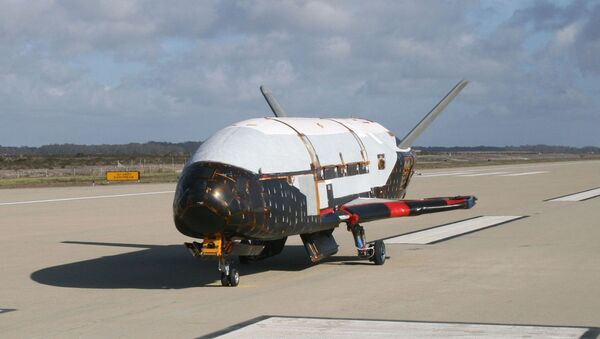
pixel 180 70
pixel 587 49
pixel 565 36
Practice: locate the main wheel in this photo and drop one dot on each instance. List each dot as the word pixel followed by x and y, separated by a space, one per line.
pixel 379 252
pixel 234 277
pixel 224 279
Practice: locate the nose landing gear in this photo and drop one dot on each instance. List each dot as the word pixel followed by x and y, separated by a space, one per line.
pixel 216 247
pixel 374 251
pixel 230 276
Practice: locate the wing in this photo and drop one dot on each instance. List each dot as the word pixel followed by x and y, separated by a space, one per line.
pixel 368 209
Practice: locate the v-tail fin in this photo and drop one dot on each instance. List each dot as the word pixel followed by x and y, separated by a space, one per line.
pixel 408 140
pixel 273 103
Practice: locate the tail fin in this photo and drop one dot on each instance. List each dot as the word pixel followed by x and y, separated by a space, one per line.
pixel 275 107
pixel 426 121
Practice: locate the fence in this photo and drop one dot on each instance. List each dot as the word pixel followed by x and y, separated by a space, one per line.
pixel 92 171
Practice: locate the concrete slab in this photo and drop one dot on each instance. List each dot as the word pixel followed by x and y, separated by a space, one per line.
pixel 290 327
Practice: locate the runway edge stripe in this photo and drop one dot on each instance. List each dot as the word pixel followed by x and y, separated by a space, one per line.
pixel 479 229
pixel 90 197
pixel 432 227
pixel 455 235
pixel 567 195
pixel 590 198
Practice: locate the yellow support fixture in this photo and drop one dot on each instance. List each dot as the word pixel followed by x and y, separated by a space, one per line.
pixel 212 246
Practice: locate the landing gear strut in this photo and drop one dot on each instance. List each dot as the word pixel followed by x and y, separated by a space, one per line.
pixel 230 276
pixel 374 251
pixel 216 247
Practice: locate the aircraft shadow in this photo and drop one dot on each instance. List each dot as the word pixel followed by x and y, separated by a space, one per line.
pixel 161 267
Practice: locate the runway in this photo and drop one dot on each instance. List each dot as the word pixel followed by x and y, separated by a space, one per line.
pixel 107 261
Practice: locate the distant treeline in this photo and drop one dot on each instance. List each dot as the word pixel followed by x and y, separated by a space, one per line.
pixel 132 149
pixel 187 148
pixel 516 149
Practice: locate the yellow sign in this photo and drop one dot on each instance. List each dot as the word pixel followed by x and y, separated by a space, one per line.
pixel 123 176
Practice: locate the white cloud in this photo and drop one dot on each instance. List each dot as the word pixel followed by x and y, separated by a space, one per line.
pixel 566 36
pixel 334 47
pixel 195 67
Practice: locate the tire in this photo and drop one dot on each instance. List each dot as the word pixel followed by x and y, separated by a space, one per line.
pixel 379 253
pixel 234 277
pixel 224 279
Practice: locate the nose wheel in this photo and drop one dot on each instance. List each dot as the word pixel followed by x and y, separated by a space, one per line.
pixel 374 251
pixel 230 276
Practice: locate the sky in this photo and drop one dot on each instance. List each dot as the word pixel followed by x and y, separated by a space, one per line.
pixel 115 71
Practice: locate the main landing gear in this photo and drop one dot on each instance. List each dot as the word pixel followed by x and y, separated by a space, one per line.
pixel 216 247
pixel 374 251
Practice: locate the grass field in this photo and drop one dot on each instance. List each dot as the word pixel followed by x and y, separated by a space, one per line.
pixel 82 180
pixel 79 171
pixel 469 159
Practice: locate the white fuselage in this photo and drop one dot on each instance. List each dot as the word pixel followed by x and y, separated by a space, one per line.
pixel 351 155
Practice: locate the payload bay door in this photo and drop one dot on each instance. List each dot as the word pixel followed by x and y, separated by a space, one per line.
pixel 335 154
pixel 342 158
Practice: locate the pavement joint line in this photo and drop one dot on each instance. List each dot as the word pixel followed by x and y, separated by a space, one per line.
pixel 451 230
pixel 579 196
pixel 83 198
pixel 315 327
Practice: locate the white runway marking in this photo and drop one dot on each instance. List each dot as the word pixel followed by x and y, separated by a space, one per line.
pixel 509 169
pixel 589 194
pixel 82 198
pixel 442 232
pixel 525 173
pixel 446 174
pixel 482 174
pixel 478 173
pixel 283 327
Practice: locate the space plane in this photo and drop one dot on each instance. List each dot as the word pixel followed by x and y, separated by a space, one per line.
pixel 253 184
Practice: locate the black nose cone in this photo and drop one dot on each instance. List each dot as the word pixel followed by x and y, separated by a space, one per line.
pixel 200 205
pixel 216 198
pixel 195 215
